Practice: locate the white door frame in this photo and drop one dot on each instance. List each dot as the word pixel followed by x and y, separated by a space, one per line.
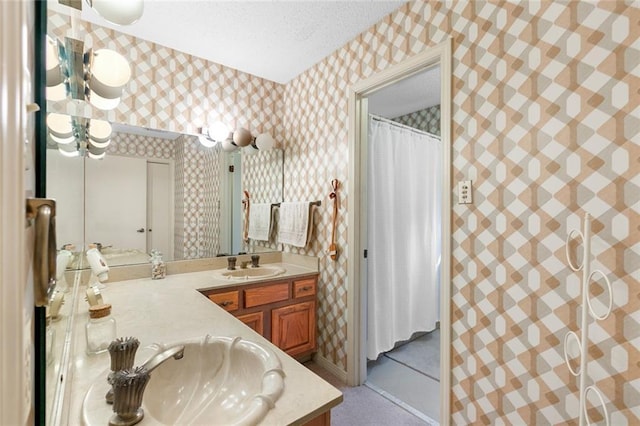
pixel 16 240
pixel 172 220
pixel 357 220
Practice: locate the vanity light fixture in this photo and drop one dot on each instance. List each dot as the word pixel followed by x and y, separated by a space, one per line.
pixel 119 12
pixel 97 76
pixel 211 136
pixel 76 136
pixel 239 138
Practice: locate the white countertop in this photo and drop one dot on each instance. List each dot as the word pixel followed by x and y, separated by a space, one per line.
pixel 171 310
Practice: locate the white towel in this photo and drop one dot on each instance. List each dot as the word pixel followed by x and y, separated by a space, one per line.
pixel 260 222
pixel 294 223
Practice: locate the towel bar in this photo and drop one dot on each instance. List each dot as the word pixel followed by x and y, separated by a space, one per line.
pixel 313 203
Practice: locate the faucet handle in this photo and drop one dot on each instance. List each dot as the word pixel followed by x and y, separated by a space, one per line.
pixel 231 262
pixel 123 353
pixel 128 389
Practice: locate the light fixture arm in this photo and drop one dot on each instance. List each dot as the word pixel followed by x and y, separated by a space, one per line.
pixel 74 65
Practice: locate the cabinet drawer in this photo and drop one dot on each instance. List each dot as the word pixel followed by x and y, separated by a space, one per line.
pixel 228 300
pixel 304 288
pixel 268 294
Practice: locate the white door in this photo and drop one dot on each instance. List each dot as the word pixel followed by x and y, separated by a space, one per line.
pixel 159 204
pixel 17 181
pixel 65 184
pixel 115 202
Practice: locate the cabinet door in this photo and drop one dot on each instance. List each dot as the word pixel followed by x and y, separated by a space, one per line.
pixel 293 328
pixel 255 321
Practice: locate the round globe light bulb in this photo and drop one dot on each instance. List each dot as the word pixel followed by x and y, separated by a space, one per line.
pixel 97 156
pixel 100 144
pixel 59 125
pixel 103 103
pixel 119 12
pixel 54 72
pixel 110 72
pixel 206 141
pixel 68 150
pixel 218 131
pixel 99 130
pixel 56 93
pixel 62 141
pixel 242 137
pixel 265 142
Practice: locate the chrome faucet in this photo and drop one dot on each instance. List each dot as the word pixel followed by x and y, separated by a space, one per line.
pixel 129 384
pixel 175 352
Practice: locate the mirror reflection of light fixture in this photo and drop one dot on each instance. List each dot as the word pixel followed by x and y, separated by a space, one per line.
pixel 119 12
pixel 99 77
pixel 211 136
pixel 77 136
pixel 240 138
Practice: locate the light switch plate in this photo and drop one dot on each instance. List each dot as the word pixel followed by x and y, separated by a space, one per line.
pixel 465 190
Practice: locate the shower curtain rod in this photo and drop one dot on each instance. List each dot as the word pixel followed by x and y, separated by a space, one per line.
pixel 404 126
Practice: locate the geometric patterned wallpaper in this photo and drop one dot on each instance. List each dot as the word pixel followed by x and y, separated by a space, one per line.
pixel 131 145
pixel 545 121
pixel 197 216
pixel 427 120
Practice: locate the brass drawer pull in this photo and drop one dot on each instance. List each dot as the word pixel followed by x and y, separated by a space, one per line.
pixel 226 303
pixel 306 288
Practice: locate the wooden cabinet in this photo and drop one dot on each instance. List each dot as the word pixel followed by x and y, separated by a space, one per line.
pixel 293 328
pixel 255 321
pixel 282 310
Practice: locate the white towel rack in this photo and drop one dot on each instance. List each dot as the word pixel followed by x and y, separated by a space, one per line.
pixel 583 341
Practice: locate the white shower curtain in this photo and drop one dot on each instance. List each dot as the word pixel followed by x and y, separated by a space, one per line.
pixel 404 205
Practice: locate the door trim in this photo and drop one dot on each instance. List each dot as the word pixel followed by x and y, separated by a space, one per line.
pixel 17 315
pixel 356 288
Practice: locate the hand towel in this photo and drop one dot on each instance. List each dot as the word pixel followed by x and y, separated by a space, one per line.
pixel 294 223
pixel 260 222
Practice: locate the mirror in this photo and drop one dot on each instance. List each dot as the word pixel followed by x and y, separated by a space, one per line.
pixel 159 190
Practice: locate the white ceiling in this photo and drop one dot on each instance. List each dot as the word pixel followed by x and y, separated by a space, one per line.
pixel 276 40
pixel 411 94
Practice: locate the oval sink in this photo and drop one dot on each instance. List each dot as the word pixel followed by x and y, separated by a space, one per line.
pixel 218 378
pixel 259 272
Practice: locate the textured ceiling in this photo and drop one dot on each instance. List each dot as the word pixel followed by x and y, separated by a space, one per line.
pixel 411 94
pixel 276 40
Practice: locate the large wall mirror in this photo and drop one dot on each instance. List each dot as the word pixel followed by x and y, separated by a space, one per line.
pixel 158 190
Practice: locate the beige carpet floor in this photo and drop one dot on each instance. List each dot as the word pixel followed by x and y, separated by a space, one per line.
pixel 364 407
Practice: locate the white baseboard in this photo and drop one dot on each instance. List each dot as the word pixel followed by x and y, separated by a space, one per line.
pixel 330 367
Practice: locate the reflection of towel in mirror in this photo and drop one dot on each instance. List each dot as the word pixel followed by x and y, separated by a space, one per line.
pixel 294 224
pixel 260 222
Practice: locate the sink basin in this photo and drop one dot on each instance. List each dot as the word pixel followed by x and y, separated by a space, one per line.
pixel 219 380
pixel 259 272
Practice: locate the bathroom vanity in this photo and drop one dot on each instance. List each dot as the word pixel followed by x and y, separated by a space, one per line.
pixel 282 310
pixel 174 310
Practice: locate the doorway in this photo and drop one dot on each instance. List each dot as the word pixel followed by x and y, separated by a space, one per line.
pixel 362 98
pixel 131 222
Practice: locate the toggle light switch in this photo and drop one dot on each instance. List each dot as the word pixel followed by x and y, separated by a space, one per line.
pixel 464 192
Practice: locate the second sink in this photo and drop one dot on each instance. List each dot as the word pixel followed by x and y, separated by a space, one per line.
pixel 260 272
